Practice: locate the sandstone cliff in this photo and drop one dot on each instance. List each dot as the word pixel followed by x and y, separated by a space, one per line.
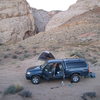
pixel 16 21
pixel 42 17
pixel 80 7
pixel 78 35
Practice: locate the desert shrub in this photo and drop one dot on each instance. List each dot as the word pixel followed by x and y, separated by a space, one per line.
pixel 87 95
pixel 93 60
pixel 27 94
pixel 7 49
pixel 35 53
pixel 35 47
pixel 21 58
pixel 1 44
pixel 18 66
pixel 77 54
pixel 6 56
pixel 0 60
pixel 26 55
pixel 53 48
pixel 22 47
pixel 13 89
pixel 14 56
pixel 25 51
pixel 0 92
pixel 18 52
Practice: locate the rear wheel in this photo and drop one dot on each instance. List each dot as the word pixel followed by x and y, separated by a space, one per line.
pixel 35 79
pixel 75 78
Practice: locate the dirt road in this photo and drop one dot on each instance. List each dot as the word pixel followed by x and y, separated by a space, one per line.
pixel 14 73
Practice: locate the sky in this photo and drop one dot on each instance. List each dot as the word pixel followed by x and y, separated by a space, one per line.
pixel 49 5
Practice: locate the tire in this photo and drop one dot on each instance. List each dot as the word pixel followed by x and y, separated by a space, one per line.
pixel 35 79
pixel 75 78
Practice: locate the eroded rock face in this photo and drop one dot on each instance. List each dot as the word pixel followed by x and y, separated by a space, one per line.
pixel 42 17
pixel 16 21
pixel 79 37
pixel 79 8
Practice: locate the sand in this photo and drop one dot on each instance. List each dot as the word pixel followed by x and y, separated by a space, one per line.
pixel 14 73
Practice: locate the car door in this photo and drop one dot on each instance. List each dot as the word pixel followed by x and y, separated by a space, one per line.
pixel 47 71
pixel 59 71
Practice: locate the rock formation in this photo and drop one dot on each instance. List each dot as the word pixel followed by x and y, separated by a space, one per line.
pixel 80 7
pixel 72 32
pixel 16 21
pixel 72 35
pixel 42 17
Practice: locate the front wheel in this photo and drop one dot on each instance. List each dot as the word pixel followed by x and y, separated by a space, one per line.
pixel 75 78
pixel 35 79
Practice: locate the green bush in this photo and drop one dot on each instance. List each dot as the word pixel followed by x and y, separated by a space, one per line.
pixel 13 89
pixel 26 94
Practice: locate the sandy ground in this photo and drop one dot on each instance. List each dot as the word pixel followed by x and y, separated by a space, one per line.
pixel 14 73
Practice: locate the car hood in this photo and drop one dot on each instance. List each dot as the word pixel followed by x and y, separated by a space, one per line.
pixel 34 68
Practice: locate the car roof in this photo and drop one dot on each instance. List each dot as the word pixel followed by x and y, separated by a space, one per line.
pixel 67 60
pixel 55 60
pixel 75 60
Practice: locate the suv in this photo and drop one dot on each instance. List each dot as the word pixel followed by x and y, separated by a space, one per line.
pixel 72 68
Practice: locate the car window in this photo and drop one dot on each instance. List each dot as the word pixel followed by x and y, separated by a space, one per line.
pixel 49 66
pixel 61 66
pixel 76 64
pixel 45 63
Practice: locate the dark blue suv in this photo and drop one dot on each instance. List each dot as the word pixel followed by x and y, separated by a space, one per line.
pixel 72 68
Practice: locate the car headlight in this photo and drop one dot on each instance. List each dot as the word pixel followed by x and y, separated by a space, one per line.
pixel 28 73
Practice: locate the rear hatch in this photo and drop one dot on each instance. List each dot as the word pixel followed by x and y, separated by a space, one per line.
pixel 45 56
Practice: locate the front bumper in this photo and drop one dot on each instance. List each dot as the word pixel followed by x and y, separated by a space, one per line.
pixel 28 77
